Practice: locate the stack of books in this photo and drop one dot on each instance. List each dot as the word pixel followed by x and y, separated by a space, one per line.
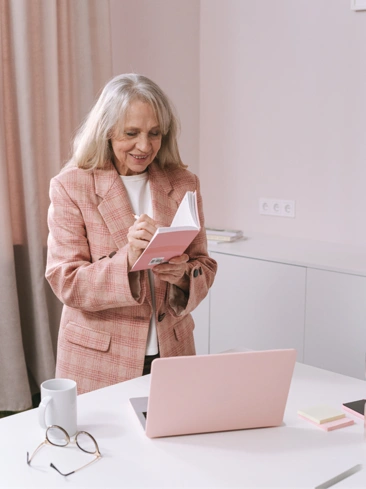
pixel 223 235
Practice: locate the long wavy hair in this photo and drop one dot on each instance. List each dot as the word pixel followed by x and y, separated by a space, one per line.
pixel 91 145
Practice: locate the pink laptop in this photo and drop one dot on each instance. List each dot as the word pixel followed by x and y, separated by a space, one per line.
pixel 220 392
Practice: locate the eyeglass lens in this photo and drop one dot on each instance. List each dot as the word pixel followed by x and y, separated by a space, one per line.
pixel 57 436
pixel 86 442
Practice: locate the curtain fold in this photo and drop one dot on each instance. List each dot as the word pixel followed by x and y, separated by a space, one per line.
pixel 55 58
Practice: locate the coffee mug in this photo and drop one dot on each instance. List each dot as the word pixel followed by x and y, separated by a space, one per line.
pixel 59 404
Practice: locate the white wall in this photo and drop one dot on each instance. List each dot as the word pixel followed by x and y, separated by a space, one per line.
pixel 279 88
pixel 160 39
pixel 283 114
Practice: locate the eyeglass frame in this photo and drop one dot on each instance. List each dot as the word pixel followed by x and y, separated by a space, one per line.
pixel 47 441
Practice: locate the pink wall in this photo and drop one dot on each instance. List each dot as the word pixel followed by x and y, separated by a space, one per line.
pixel 160 39
pixel 272 99
pixel 283 115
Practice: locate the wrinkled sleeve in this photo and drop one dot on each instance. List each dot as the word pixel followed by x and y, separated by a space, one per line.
pixel 75 280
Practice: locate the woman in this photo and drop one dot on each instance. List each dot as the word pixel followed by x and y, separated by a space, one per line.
pixel 125 178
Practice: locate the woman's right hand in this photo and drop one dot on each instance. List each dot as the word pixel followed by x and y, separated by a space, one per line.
pixel 139 236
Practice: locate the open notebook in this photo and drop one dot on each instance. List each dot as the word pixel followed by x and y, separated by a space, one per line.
pixel 172 241
pixel 220 392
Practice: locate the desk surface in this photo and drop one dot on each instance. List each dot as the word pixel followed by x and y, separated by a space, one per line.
pixel 295 455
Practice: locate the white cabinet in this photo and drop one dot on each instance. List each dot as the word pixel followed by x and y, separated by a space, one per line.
pixel 256 304
pixel 288 293
pixel 335 328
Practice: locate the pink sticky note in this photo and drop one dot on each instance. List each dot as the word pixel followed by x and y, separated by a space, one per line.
pixel 332 425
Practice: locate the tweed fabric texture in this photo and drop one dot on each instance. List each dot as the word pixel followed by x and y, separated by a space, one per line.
pixel 106 312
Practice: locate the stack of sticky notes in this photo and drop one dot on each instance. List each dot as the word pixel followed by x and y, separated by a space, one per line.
pixel 325 417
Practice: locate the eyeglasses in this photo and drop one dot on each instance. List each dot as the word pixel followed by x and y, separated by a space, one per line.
pixel 58 437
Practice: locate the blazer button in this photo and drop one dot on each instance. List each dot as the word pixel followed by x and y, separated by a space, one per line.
pixel 161 317
pixel 195 273
pixel 111 255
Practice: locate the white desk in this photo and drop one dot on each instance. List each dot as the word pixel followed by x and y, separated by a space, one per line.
pixel 295 455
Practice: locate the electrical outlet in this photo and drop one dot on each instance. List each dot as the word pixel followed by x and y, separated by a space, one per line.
pixel 265 206
pixel 288 208
pixel 277 207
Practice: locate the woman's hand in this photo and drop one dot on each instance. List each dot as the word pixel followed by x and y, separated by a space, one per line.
pixel 174 272
pixel 139 236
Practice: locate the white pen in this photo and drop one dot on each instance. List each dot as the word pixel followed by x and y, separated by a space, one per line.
pixel 135 216
pixel 340 477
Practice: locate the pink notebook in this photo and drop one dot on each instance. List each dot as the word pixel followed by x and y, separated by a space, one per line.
pixel 172 241
pixel 219 392
pixel 165 245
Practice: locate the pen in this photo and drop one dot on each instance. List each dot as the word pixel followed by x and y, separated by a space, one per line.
pixel 135 216
pixel 340 477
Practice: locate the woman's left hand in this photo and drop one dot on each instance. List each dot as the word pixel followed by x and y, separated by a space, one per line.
pixel 174 272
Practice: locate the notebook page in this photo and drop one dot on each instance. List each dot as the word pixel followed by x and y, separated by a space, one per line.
pixel 186 214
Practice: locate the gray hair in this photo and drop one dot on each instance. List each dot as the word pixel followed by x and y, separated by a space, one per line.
pixel 92 148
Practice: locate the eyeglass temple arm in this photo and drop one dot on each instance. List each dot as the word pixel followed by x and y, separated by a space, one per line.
pixel 54 467
pixel 29 459
pixel 73 472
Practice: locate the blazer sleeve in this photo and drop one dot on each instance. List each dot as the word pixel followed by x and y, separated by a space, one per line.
pixel 201 270
pixel 75 280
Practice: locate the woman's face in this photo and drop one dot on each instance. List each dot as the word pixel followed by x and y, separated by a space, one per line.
pixel 140 141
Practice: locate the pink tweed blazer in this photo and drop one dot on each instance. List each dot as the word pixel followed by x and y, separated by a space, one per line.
pixel 106 312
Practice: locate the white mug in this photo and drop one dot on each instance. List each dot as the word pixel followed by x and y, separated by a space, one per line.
pixel 59 404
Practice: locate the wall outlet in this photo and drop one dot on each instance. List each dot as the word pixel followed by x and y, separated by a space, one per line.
pixel 277 207
pixel 288 208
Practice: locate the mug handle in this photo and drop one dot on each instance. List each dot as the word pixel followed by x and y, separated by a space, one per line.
pixel 42 411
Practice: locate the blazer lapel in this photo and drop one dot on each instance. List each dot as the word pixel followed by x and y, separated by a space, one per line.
pixel 115 207
pixel 165 201
pixel 163 198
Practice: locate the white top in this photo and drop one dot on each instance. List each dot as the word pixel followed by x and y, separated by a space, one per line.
pixel 138 190
pixel 294 455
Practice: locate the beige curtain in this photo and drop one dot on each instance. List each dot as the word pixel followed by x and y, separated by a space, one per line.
pixel 55 58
